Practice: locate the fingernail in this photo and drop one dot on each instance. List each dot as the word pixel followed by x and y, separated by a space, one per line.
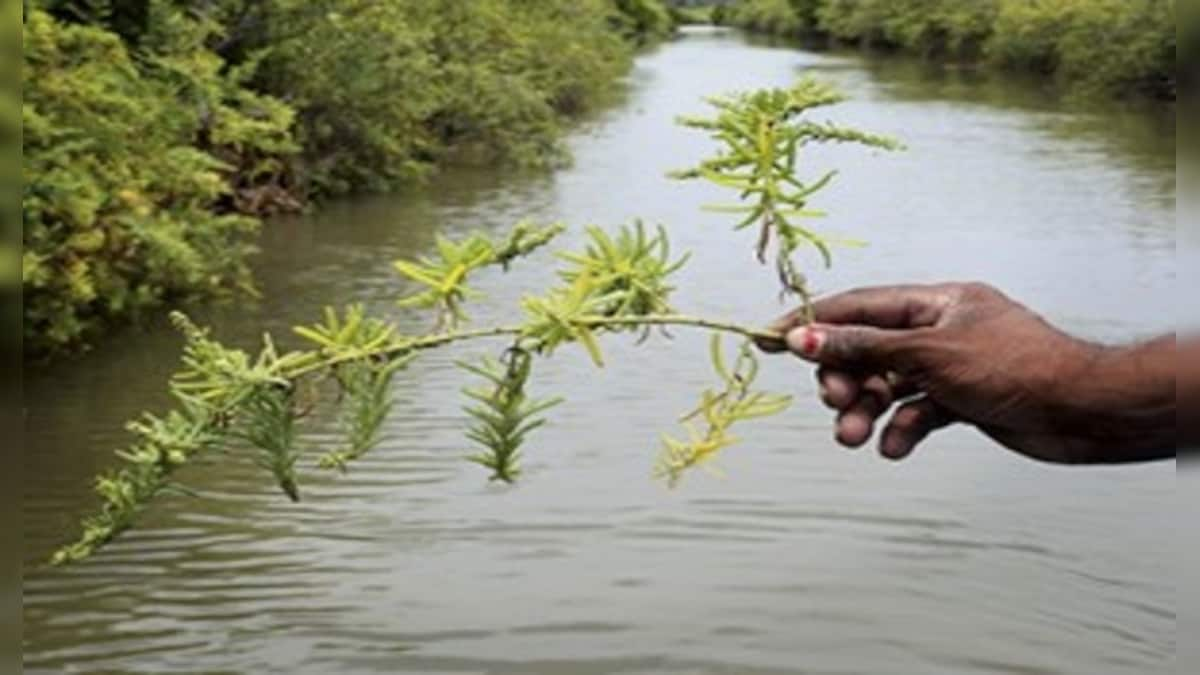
pixel 892 446
pixel 806 341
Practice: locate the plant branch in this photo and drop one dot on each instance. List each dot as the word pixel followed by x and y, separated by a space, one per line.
pixel 394 349
pixel 681 320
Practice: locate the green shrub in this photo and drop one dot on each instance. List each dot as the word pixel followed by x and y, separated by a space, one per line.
pixel 774 17
pixel 1114 46
pixel 124 178
pixel 1110 45
pixel 385 91
pixel 931 27
pixel 150 125
pixel 692 15
pixel 643 20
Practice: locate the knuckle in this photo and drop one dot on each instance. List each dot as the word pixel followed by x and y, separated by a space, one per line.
pixel 977 291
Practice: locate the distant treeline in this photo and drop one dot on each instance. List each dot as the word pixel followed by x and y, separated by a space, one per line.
pixel 156 132
pixel 1118 47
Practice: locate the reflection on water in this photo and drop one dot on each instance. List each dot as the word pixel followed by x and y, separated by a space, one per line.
pixel 804 558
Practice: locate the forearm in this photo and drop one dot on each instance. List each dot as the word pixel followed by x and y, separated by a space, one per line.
pixel 1187 395
pixel 1125 406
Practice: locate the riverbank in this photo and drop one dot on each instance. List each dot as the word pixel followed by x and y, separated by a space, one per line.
pixel 409 563
pixel 156 137
pixel 1107 47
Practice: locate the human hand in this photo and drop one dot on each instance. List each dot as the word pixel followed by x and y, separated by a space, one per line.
pixel 967 353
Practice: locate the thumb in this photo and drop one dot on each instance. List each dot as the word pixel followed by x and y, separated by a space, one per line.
pixel 847 347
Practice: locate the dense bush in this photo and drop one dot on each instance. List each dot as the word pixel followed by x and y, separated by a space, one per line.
pixel 776 17
pixel 384 91
pixel 156 129
pixel 1106 44
pixel 932 27
pixel 124 178
pixel 643 20
pixel 1116 46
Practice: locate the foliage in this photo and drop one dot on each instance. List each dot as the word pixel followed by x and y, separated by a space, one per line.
pixel 633 267
pixel 384 91
pixel 930 27
pixel 617 283
pixel 122 210
pixel 366 390
pixel 445 277
pixel 760 135
pixel 718 411
pixel 1112 46
pixel 644 20
pixel 693 15
pixel 504 415
pixel 155 130
pixel 774 17
pixel 1101 44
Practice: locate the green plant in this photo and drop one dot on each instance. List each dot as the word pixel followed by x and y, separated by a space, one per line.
pixel 1109 46
pixel 644 20
pixel 617 284
pixel 1114 47
pixel 156 132
pixel 504 415
pixel 121 209
pixel 719 411
pixel 761 135
pixel 775 17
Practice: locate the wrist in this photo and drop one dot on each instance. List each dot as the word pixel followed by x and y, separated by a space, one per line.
pixel 1120 402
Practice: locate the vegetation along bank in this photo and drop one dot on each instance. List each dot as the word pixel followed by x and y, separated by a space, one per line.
pixel 158 132
pixel 1123 48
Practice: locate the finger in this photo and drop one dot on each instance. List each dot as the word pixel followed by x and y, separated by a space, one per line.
pixel 852 348
pixel 911 424
pixel 902 387
pixel 838 389
pixel 774 344
pixel 906 306
pixel 857 422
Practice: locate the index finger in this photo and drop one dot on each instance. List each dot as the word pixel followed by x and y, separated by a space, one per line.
pixel 894 307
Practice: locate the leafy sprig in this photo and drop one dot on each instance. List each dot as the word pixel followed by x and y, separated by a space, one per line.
pixel 503 415
pixel 709 424
pixel 760 135
pixel 366 388
pixel 632 267
pixel 444 276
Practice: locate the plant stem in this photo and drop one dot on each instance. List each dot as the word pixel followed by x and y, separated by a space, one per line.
pixel 395 349
pixel 682 320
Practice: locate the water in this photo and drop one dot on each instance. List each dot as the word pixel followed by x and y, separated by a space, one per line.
pixel 803 558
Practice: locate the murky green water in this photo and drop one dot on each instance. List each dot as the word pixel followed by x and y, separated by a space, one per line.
pixel 804 558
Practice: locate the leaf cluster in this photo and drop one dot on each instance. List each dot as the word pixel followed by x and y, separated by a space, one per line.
pixel 215 384
pixel 444 276
pixel 709 424
pixel 156 132
pixel 632 267
pixel 1114 47
pixel 760 135
pixel 122 209
pixel 366 390
pixel 621 277
pixel 503 415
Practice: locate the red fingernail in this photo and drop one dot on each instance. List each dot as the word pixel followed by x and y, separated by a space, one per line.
pixel 808 341
pixel 812 342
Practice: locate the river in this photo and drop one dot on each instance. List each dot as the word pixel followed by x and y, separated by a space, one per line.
pixel 800 558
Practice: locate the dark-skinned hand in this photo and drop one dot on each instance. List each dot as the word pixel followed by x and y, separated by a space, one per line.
pixel 946 353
